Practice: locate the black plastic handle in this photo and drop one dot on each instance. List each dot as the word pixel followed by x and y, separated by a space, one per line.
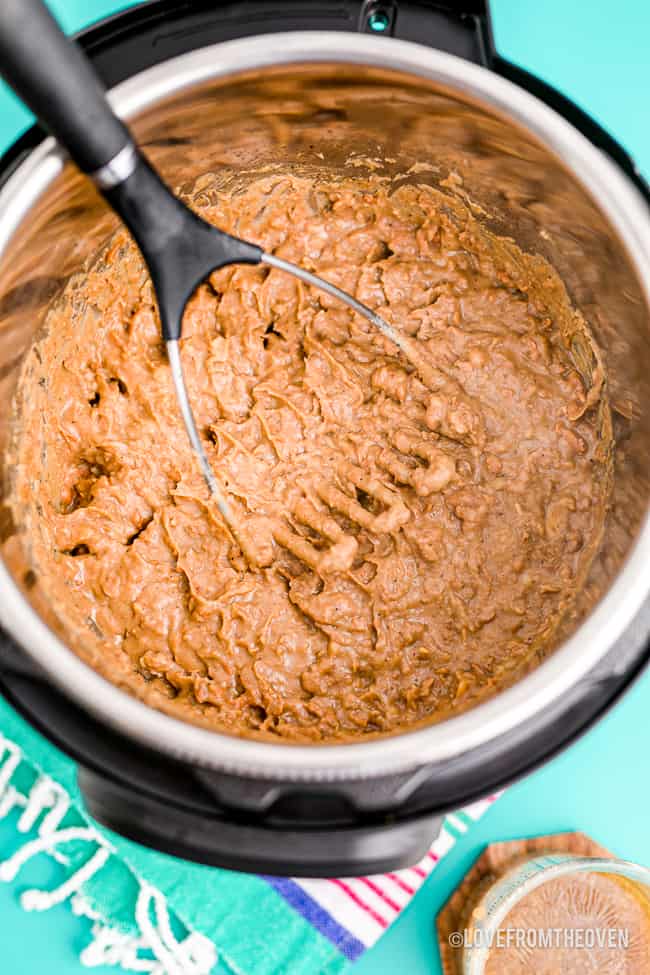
pixel 297 849
pixel 54 79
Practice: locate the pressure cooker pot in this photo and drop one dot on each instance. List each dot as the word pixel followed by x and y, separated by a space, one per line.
pixel 330 98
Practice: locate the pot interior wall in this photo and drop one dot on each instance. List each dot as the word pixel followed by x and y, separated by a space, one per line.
pixel 334 117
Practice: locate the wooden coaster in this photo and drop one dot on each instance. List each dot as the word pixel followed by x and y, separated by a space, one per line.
pixel 496 860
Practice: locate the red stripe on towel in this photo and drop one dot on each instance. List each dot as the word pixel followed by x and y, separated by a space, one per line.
pixel 401 884
pixel 359 902
pixel 387 899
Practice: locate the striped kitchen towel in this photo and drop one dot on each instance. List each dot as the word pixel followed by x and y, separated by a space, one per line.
pixel 147 912
pixel 353 912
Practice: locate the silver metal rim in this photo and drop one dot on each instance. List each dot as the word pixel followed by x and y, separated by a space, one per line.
pixel 627 212
pixel 117 170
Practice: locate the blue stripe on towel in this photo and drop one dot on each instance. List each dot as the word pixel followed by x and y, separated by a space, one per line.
pixel 317 916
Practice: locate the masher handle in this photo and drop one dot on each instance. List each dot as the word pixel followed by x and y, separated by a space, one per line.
pixel 54 79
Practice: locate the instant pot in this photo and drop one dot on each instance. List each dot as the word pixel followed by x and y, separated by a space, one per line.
pixel 418 89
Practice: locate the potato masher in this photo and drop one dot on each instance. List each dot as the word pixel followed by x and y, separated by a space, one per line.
pixel 53 77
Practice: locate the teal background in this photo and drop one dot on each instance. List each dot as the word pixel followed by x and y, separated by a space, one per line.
pixel 597 53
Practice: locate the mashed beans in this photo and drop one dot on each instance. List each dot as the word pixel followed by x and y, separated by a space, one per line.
pixel 419 534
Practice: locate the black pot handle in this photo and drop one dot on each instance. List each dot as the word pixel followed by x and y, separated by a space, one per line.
pixel 237 843
pixel 57 83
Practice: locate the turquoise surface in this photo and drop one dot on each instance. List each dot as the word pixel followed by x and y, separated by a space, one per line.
pixel 597 53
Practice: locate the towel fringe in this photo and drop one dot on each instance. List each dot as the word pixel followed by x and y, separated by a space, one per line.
pixel 153 949
pixel 194 955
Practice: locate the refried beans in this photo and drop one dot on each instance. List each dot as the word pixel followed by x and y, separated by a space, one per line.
pixel 415 537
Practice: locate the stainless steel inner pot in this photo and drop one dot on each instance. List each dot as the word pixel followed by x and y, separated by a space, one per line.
pixel 325 99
